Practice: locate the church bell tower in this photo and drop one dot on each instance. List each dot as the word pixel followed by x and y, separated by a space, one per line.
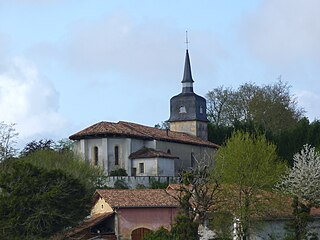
pixel 187 109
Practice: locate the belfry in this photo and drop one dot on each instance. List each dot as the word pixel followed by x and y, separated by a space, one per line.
pixel 187 109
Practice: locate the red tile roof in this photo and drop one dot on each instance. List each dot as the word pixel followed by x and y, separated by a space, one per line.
pixel 127 198
pixel 127 129
pixel 151 153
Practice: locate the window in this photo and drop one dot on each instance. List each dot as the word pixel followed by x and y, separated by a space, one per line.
pixel 116 155
pixel 134 172
pixel 201 110
pixel 182 109
pixel 141 167
pixel 95 156
pixel 169 151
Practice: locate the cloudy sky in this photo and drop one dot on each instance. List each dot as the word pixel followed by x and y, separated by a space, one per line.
pixel 66 64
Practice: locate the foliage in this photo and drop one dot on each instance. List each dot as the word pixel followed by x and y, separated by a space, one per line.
pixel 91 176
pixel 154 184
pixel 63 145
pixel 163 125
pixel 120 184
pixel 118 172
pixel 140 186
pixel 297 228
pixel 247 164
pixel 292 140
pixel 8 137
pixel 197 196
pixel 303 180
pixel 160 234
pixel 184 229
pixel 36 203
pixel 271 107
pixel 33 146
pixel 221 222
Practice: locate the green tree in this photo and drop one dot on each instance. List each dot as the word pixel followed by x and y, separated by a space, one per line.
pixel 91 176
pixel 271 107
pixel 33 146
pixel 160 234
pixel 247 165
pixel 36 203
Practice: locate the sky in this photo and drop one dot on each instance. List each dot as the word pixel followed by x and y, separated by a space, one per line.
pixel 67 64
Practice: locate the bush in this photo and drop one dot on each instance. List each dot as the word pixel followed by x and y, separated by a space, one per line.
pixel 120 184
pixel 118 172
pixel 154 184
pixel 184 229
pixel 160 234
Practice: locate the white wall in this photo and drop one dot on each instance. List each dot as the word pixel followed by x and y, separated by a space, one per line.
pixel 154 166
pixel 127 146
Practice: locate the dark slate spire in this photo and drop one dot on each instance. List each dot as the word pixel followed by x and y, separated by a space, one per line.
pixel 187 81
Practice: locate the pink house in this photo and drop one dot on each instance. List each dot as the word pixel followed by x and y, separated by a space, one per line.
pixel 127 214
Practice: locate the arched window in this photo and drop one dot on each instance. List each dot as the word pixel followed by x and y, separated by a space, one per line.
pixel 116 155
pixel 182 109
pixel 95 156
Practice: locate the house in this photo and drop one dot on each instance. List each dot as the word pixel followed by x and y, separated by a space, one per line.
pixel 127 214
pixel 149 151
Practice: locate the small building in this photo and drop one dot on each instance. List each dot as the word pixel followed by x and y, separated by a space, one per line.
pixel 149 151
pixel 127 214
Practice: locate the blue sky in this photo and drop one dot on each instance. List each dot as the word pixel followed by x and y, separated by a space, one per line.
pixel 65 65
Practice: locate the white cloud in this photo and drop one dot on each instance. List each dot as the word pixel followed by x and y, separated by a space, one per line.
pixel 284 31
pixel 310 101
pixel 28 100
pixel 147 51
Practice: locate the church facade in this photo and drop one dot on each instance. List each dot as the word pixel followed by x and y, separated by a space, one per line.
pixel 149 151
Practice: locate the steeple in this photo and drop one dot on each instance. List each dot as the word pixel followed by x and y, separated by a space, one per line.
pixel 187 81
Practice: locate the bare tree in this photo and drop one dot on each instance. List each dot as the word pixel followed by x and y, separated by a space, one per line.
pixel 198 193
pixel 8 137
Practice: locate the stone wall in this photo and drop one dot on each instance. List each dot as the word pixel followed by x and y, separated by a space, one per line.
pixel 132 182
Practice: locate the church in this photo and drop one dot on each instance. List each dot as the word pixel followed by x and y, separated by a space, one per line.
pixel 149 151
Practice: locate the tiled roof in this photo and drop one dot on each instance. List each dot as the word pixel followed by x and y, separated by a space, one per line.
pixel 127 129
pixel 150 153
pixel 92 221
pixel 127 198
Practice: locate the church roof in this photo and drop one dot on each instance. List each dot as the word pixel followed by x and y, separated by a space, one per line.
pixel 129 198
pixel 187 76
pixel 150 153
pixel 133 130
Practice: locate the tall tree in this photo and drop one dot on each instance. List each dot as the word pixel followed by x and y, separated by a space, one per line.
pixel 271 107
pixel 36 203
pixel 197 196
pixel 247 165
pixel 8 137
pixel 33 146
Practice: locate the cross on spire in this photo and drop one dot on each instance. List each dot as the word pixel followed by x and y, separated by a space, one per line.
pixel 187 41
